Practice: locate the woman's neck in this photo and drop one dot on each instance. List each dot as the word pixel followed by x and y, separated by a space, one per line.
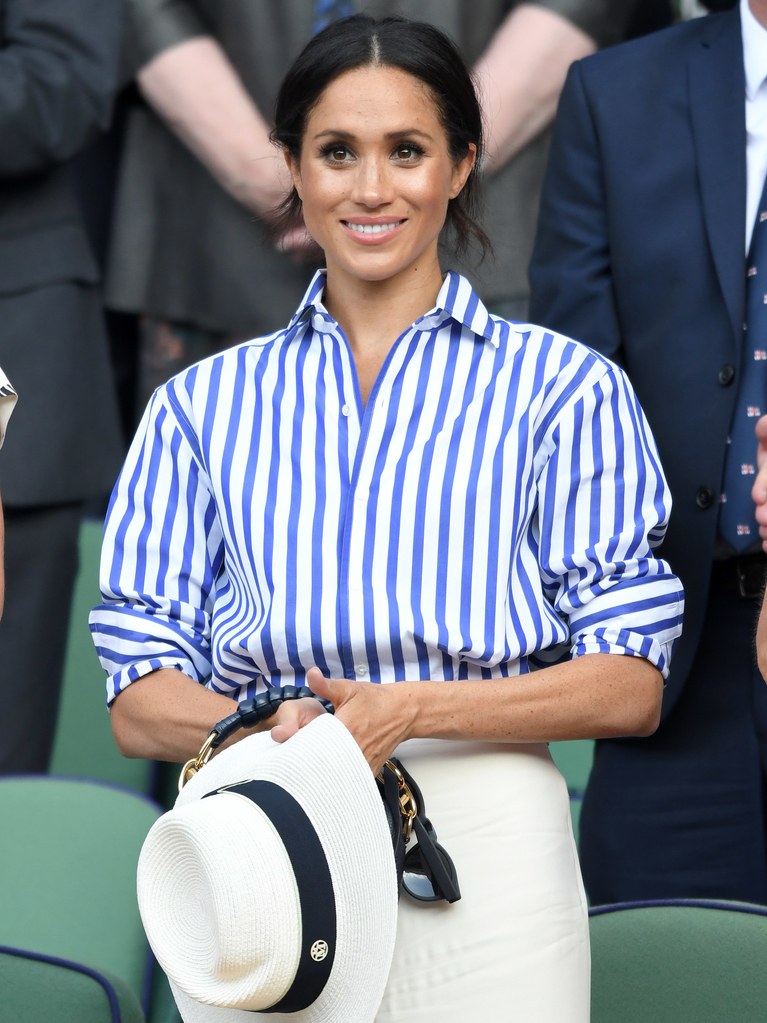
pixel 375 313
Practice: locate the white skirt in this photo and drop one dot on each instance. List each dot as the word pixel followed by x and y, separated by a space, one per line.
pixel 515 949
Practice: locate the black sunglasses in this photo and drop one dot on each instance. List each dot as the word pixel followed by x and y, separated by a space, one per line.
pixel 429 874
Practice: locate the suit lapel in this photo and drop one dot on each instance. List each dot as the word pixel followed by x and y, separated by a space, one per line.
pixel 717 103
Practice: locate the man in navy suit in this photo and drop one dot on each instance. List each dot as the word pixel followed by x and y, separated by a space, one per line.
pixel 656 171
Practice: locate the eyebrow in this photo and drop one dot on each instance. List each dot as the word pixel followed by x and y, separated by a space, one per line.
pixel 391 136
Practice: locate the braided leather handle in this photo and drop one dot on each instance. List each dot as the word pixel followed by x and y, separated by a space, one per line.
pixel 248 714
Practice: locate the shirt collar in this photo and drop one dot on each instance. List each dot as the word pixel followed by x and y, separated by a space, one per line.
pixel 456 299
pixel 754 50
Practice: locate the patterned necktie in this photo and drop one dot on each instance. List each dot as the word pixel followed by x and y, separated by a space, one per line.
pixel 327 11
pixel 736 517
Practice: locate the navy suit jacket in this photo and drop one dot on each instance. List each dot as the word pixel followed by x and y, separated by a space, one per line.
pixel 640 254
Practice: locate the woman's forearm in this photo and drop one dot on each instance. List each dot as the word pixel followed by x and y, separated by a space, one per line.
pixel 166 716
pixel 594 696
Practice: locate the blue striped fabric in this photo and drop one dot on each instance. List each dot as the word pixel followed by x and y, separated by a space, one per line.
pixel 491 508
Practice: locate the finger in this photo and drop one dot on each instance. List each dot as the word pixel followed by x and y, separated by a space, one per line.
pixel 282 732
pixel 320 685
pixel 759 489
pixel 293 716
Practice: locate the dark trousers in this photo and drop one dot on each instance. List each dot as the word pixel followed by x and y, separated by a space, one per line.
pixel 682 814
pixel 41 560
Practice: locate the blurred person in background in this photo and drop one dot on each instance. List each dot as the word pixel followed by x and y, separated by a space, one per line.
pixel 193 250
pixel 58 71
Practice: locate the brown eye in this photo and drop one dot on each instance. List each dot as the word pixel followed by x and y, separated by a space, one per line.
pixel 408 152
pixel 336 152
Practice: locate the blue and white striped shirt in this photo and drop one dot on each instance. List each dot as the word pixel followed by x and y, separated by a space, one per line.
pixel 491 508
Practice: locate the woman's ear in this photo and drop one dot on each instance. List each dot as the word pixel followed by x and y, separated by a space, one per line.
pixel 462 169
pixel 295 171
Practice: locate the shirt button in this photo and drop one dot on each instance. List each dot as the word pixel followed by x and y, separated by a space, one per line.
pixel 361 670
pixel 704 497
pixel 726 375
pixel 344 410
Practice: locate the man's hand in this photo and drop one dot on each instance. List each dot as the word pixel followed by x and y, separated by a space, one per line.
pixel 759 489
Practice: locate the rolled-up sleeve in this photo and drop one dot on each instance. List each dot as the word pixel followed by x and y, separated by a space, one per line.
pixel 605 21
pixel 161 555
pixel 603 506
pixel 157 25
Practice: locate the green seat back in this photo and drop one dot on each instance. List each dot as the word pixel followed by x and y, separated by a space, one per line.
pixel 69 851
pixel 84 746
pixel 39 989
pixel 574 759
pixel 679 963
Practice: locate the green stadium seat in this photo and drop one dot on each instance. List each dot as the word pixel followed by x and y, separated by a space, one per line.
pixel 69 851
pixel 679 962
pixel 37 989
pixel 84 746
pixel 574 759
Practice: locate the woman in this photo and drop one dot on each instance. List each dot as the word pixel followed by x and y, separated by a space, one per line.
pixel 399 487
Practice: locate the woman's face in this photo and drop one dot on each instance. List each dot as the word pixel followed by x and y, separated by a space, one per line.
pixel 375 175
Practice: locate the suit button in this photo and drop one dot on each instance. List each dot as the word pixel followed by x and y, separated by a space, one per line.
pixel 726 375
pixel 704 498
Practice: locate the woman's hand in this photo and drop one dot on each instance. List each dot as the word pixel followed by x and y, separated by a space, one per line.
pixel 378 716
pixel 292 715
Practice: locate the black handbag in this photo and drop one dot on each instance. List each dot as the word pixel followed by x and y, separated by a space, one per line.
pixel 425 870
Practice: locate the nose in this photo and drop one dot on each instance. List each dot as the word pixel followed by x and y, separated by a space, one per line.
pixel 372 183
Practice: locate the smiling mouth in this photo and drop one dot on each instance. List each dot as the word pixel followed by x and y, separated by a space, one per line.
pixel 372 228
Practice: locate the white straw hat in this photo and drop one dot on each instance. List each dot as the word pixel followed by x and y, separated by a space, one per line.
pixel 279 892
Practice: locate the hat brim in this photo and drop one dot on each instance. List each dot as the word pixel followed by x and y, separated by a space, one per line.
pixel 323 768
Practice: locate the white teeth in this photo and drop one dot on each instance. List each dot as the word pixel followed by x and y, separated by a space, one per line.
pixel 371 228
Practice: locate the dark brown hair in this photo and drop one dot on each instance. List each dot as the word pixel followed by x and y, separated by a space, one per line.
pixel 415 47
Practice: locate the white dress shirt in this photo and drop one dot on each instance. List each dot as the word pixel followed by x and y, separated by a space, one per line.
pixel 755 65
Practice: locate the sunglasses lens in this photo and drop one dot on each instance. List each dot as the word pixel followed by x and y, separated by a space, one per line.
pixel 415 879
pixel 420 887
pixel 418 876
